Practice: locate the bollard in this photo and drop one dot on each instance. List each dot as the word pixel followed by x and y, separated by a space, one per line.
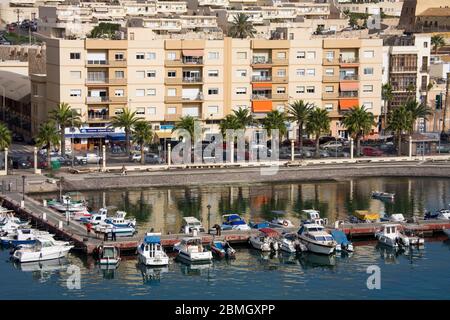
pixel 44 203
pixel 169 154
pixel 292 150
pixel 103 158
pixel 60 225
pixel 410 147
pixel 22 204
pixel 351 148
pixel 44 216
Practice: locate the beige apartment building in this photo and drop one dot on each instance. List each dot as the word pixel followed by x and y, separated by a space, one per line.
pixel 166 79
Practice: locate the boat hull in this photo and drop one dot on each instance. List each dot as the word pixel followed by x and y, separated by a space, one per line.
pixel 318 248
pixel 37 256
pixel 153 261
pixel 198 257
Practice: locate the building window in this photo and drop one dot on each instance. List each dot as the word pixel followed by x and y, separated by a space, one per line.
pixel 311 55
pixel 311 72
pixel 281 55
pixel 329 89
pixel 75 92
pixel 75 56
pixel 118 111
pixel 213 73
pixel 171 74
pixel 151 74
pixel 310 89
pixel 300 89
pixel 212 91
pixel 369 54
pixel 329 72
pixel 281 73
pixel 241 90
pixel 171 110
pixel 425 44
pixel 328 107
pixel 119 74
pixel 213 109
pixel 151 55
pixel 75 74
pixel 171 92
pixel 151 92
pixel 151 110
pixel 367 88
pixel 140 56
pixel 241 73
pixel 119 56
pixel 119 93
pixel 368 71
pixel 140 92
pixel 281 90
pixel 301 55
pixel 140 111
pixel 171 56
pixel 329 55
pixel 242 55
pixel 300 72
pixel 213 55
pixel 131 35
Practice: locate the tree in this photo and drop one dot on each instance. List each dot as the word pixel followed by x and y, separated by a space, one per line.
pixel 126 120
pixel 142 135
pixel 358 122
pixel 317 123
pixel 104 30
pixel 353 21
pixel 417 110
pixel 186 123
pixel 411 91
pixel 48 136
pixel 65 117
pixel 230 122
pixel 298 111
pixel 275 120
pixel 241 27
pixel 437 41
pixel 5 137
pixel 400 120
pixel 244 117
pixel 387 95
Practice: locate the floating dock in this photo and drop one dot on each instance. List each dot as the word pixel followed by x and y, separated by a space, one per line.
pixel 48 219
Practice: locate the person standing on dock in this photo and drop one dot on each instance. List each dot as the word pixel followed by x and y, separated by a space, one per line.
pixel 218 229
pixel 113 233
pixel 88 228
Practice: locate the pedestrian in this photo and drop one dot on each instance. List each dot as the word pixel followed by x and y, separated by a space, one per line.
pixel 113 235
pixel 218 230
pixel 124 170
pixel 88 228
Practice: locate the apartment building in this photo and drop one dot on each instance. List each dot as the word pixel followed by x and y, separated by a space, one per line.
pixel 166 79
pixel 425 15
pixel 388 7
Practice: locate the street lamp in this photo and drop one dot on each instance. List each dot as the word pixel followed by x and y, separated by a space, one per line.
pixel 3 103
pixel 23 188
pixel 209 218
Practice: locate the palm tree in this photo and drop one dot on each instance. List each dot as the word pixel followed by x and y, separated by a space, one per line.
pixel 411 91
pixel 417 110
pixel 186 123
pixel 126 120
pixel 298 111
pixel 230 122
pixel 48 136
pixel 5 137
pixel 142 135
pixel 400 120
pixel 65 117
pixel 241 27
pixel 358 122
pixel 244 117
pixel 437 41
pixel 317 123
pixel 275 120
pixel 387 95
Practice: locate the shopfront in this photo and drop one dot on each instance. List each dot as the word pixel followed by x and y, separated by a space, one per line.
pixel 92 138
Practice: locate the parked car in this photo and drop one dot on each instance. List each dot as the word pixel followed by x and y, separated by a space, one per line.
pixel 153 158
pixel 340 153
pixel 20 162
pixel 332 145
pixel 371 152
pixel 64 161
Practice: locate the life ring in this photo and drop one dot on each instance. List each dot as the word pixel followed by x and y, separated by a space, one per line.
pixel 285 223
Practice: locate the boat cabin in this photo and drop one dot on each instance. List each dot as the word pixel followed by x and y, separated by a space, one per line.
pixel 389 229
pixel 152 244
pixel 232 219
pixel 192 223
pixel 314 217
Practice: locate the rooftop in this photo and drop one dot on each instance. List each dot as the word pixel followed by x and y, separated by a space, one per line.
pixel 436 12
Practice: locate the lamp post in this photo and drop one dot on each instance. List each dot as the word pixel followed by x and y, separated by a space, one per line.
pixel 23 188
pixel 3 103
pixel 209 218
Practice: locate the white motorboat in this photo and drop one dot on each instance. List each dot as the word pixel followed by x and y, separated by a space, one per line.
pixel 151 252
pixel 342 243
pixel 391 236
pixel 9 224
pixel 67 204
pixel 189 224
pixel 383 195
pixel 397 217
pixel 316 238
pixel 96 218
pixel 266 240
pixel 291 244
pixel 118 220
pixel 108 255
pixel 192 250
pixel 23 236
pixel 314 217
pixel 444 214
pixel 44 249
pixel 234 222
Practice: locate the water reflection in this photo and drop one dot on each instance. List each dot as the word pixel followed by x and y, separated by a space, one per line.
pixel 42 271
pixel 151 275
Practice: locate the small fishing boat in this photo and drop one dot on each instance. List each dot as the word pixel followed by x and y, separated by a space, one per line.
pixel 192 250
pixel 23 236
pixel 316 238
pixel 258 225
pixel 365 216
pixel 222 249
pixel 391 236
pixel 279 221
pixel 383 195
pixel 43 249
pixel 126 231
pixel 314 217
pixel 266 240
pixel 189 224
pixel 234 222
pixel 395 217
pixel 151 252
pixel 96 218
pixel 119 221
pixel 67 204
pixel 342 243
pixel 108 255
pixel 11 224
pixel 290 243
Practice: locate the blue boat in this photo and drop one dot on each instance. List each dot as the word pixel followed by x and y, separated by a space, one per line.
pixel 343 244
pixel 259 225
pixel 22 237
pixel 234 222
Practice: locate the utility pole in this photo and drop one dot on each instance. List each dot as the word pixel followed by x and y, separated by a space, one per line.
pixel 447 86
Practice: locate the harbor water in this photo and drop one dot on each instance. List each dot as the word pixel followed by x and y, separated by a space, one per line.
pixel 409 274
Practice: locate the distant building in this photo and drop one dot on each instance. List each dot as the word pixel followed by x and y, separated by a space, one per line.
pixel 425 16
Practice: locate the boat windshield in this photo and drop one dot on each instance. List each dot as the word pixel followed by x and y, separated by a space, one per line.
pixel 108 253
pixel 314 229
pixel 324 238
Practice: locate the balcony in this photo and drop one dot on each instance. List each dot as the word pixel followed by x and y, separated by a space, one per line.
pixel 96 80
pixel 348 94
pixel 352 77
pixel 180 99
pixel 98 118
pixel 260 62
pixel 261 78
pixel 96 63
pixel 97 100
pixel 192 80
pixel 185 61
pixel 348 60
pixel 192 61
pixel 261 97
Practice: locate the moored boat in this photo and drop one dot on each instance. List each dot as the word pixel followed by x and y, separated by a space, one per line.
pixel 108 255
pixel 23 237
pixel 43 249
pixel 66 203
pixel 192 250
pixel 290 243
pixel 190 224
pixel 316 238
pixel 151 252
pixel 365 216
pixel 266 240
pixel 314 217
pixel 258 225
pixel 342 243
pixel 234 222
pixel 391 236
pixel 222 249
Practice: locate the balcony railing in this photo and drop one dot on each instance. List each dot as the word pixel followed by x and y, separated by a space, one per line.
pixel 97 99
pixel 187 60
pixel 261 78
pixel 348 60
pixel 97 62
pixel 348 94
pixel 98 117
pixel 348 77
pixel 261 97
pixel 261 60
pixel 97 80
pixel 192 79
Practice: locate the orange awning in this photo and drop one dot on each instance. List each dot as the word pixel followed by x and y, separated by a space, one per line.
pixel 347 104
pixel 193 53
pixel 262 85
pixel 262 106
pixel 349 86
